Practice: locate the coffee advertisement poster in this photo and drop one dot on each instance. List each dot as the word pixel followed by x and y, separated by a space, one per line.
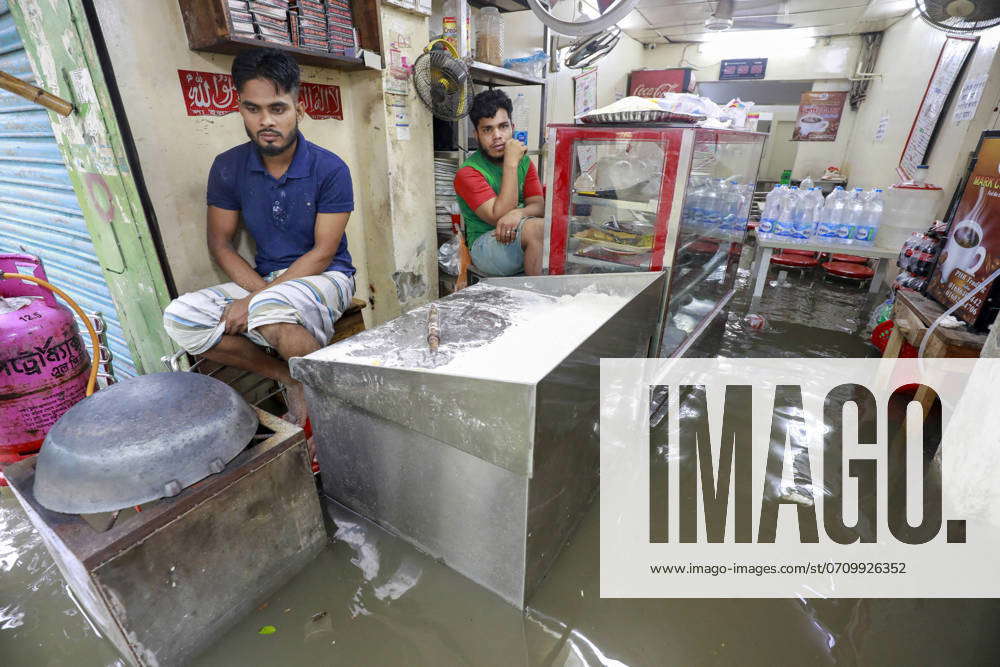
pixel 972 251
pixel 819 116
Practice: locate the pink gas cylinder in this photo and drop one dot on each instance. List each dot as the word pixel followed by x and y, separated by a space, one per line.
pixel 43 362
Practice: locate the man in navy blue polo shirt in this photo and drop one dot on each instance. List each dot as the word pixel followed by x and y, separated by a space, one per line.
pixel 294 198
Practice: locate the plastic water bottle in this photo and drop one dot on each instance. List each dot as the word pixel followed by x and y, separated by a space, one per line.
pixel 806 185
pixel 771 205
pixel 520 119
pixel 712 209
pixel 746 198
pixel 834 210
pixel 692 203
pixel 731 199
pixel 808 208
pixel 784 226
pixel 867 229
pixel 855 215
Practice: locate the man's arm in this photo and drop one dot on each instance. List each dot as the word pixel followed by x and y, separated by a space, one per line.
pixel 328 232
pixel 492 210
pixel 222 226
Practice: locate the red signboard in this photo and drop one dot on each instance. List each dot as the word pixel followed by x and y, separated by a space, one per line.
pixel 213 94
pixel 656 82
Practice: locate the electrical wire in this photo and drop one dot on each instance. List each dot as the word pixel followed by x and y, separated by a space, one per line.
pixel 94 340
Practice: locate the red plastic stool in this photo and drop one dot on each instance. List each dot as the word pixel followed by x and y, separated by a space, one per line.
pixel 859 272
pixel 852 259
pixel 792 251
pixel 794 261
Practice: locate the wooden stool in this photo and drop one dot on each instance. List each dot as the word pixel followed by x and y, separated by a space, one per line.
pixel 352 321
pixel 256 388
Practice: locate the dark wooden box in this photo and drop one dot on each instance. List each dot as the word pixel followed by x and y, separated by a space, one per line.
pixel 162 584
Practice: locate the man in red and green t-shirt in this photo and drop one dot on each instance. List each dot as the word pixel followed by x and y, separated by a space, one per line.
pixel 500 195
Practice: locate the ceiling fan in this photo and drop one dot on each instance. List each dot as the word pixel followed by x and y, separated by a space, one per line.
pixel 722 19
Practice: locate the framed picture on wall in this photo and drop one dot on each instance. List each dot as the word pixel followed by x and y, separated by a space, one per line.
pixel 947 71
pixel 819 115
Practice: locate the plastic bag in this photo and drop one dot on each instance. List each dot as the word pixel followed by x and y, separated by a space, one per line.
pixel 448 257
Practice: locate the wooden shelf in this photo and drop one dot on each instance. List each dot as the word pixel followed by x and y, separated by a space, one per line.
pixel 492 75
pixel 209 28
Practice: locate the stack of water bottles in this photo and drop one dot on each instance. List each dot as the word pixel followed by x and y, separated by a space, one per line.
pixel 800 214
pixel 718 205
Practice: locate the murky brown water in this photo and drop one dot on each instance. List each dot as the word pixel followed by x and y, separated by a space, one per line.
pixel 371 599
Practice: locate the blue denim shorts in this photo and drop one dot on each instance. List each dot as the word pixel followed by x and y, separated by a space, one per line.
pixel 498 259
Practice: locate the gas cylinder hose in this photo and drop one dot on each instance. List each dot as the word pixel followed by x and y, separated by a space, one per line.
pixel 94 340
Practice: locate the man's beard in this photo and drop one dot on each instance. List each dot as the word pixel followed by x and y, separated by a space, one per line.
pixel 273 149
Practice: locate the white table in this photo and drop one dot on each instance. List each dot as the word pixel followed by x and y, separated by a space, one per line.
pixel 766 247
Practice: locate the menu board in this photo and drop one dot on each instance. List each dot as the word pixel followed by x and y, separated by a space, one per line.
pixel 972 251
pixel 949 65
pixel 743 68
pixel 819 116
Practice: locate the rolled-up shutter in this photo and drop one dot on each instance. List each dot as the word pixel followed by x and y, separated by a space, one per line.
pixel 39 212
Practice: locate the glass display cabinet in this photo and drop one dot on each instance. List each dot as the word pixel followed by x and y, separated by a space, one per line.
pixel 653 198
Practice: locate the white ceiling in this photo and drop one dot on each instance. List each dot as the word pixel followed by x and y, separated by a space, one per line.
pixel 657 21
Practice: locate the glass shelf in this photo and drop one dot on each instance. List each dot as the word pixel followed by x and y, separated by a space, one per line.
pixel 594 200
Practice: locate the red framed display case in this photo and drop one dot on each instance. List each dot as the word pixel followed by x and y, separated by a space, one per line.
pixel 653 198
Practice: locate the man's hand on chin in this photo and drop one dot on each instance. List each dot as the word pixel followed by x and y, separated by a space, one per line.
pixel 235 316
pixel 513 151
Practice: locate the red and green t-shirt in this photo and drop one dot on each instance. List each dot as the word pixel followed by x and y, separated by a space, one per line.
pixel 479 180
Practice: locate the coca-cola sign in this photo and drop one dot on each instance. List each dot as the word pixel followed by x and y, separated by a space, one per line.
pixel 658 82
pixel 214 94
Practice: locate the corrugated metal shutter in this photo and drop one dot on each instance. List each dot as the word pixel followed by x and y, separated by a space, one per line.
pixel 39 211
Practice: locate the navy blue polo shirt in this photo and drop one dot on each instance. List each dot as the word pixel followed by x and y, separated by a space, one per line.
pixel 280 214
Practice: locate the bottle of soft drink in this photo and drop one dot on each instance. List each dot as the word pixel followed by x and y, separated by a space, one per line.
pixel 867 227
pixel 771 205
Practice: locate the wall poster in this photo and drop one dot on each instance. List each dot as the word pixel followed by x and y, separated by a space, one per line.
pixel 972 251
pixel 949 65
pixel 585 92
pixel 819 116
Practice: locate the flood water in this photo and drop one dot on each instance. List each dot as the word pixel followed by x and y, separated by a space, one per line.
pixel 369 598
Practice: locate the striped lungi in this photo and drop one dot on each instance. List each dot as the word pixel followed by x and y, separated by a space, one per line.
pixel 194 320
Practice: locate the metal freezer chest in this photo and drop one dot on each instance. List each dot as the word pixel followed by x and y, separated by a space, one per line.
pixel 162 584
pixel 490 474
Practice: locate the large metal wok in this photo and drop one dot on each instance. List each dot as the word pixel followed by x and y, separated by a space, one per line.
pixel 139 440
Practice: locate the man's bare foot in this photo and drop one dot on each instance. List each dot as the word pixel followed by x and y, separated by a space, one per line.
pixel 295 397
